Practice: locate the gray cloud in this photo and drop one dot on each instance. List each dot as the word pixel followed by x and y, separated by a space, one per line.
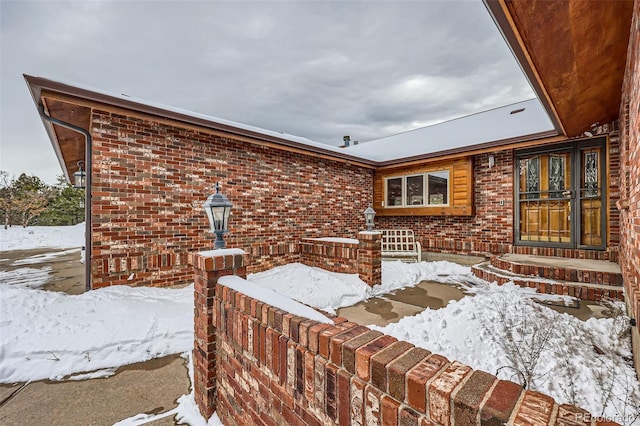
pixel 314 69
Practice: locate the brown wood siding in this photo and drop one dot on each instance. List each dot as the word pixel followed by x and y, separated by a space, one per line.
pixel 460 189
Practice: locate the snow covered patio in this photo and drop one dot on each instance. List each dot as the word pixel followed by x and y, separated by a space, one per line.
pixel 584 362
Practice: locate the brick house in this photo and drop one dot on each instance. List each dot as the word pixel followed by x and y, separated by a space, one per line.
pixel 554 177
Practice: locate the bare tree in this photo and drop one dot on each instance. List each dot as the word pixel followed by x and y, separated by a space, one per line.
pixel 522 337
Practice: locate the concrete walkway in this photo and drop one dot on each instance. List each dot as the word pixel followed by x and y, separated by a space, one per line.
pixel 148 387
pixel 67 273
pixel 394 306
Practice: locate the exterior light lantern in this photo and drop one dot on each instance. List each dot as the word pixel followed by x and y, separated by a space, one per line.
pixel 79 177
pixel 218 208
pixel 369 214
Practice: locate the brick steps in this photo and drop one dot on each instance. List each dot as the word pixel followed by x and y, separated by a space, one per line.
pixel 576 270
pixel 582 290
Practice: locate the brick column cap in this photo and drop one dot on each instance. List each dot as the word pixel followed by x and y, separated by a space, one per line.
pixel 370 235
pixel 221 259
pixel 221 252
pixel 338 240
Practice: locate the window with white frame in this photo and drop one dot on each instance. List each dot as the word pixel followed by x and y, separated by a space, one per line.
pixel 393 189
pixel 419 190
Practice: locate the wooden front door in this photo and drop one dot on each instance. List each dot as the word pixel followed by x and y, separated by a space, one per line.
pixel 560 196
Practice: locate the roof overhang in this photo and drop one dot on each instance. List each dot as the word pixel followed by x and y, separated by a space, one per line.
pixel 573 53
pixel 73 105
pixel 68 145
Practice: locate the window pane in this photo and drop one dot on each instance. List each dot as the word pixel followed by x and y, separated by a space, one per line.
pixel 394 192
pixel 415 190
pixel 557 176
pixel 590 172
pixel 439 187
pixel 530 177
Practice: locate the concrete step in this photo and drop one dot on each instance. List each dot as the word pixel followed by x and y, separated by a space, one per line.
pixel 564 269
pixel 581 290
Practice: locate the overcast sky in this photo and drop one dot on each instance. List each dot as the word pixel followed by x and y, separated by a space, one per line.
pixel 315 69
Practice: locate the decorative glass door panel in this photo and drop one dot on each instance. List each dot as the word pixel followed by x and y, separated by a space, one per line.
pixel 545 207
pixel 560 197
pixel 590 197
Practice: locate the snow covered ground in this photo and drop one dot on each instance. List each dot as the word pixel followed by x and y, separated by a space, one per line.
pixel 50 335
pixel 501 329
pixel 329 291
pixel 33 237
pixel 58 336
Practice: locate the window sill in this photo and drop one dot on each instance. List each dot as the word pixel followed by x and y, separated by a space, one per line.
pixel 425 211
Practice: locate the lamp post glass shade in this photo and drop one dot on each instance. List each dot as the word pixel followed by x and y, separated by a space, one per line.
pixel 218 208
pixel 369 214
pixel 79 177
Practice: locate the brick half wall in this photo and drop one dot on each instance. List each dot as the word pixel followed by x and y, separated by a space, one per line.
pixel 348 256
pixel 330 254
pixel 272 367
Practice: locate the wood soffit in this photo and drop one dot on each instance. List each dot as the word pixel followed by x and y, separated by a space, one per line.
pixel 573 52
pixel 70 143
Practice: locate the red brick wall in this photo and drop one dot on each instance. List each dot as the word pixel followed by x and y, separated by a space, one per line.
pixel 362 257
pixel 256 364
pixel 630 179
pixel 614 159
pixel 490 230
pixel 330 255
pixel 150 180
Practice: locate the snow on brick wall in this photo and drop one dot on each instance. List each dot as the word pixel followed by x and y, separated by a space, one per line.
pixel 150 180
pixel 257 364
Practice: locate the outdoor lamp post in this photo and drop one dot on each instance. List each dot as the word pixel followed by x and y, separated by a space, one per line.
pixel 218 208
pixel 79 177
pixel 369 214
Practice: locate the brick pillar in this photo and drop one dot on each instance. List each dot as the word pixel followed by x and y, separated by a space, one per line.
pixel 369 257
pixel 209 266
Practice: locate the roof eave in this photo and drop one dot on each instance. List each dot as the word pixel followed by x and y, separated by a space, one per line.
pixel 502 18
pixel 471 149
pixel 36 84
pixel 36 91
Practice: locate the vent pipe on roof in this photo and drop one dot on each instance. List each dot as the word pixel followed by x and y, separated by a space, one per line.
pixel 347 140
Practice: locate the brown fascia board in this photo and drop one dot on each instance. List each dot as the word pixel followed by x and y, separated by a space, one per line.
pixel 505 23
pixel 37 84
pixel 48 127
pixel 473 149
